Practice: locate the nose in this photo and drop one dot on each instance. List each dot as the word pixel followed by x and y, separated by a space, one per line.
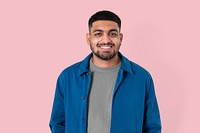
pixel 106 39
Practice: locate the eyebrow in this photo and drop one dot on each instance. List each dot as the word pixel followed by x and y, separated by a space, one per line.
pixel 99 30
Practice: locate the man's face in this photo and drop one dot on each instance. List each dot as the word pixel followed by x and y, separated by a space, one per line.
pixel 104 39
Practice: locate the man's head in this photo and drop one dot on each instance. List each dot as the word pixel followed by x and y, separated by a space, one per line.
pixel 104 35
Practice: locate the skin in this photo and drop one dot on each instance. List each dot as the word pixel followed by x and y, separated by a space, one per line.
pixel 104 39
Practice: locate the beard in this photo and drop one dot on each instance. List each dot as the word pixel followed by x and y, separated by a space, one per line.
pixel 105 55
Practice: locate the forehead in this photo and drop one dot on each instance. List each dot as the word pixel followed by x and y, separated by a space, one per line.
pixel 104 25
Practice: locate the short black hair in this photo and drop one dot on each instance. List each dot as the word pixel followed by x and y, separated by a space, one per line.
pixel 104 15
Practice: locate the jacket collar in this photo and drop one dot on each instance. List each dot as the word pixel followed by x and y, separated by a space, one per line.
pixel 125 64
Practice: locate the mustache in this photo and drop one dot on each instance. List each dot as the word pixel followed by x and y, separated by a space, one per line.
pixel 105 44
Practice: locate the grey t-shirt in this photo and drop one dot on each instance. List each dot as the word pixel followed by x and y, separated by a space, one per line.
pixel 100 98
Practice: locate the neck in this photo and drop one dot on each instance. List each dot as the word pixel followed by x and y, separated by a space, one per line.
pixel 105 63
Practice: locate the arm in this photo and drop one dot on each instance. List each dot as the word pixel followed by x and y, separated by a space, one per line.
pixel 152 122
pixel 57 121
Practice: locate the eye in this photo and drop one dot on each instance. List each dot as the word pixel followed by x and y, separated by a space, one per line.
pixel 98 34
pixel 113 34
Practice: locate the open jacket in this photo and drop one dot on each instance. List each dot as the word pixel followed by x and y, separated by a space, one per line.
pixel 134 105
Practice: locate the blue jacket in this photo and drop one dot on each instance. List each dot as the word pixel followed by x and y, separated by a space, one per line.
pixel 134 104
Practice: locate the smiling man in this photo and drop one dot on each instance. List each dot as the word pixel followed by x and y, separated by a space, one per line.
pixel 106 92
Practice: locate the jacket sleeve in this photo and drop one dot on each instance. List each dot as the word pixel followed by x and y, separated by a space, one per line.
pixel 57 120
pixel 152 122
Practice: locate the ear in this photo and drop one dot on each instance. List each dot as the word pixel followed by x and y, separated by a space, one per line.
pixel 121 37
pixel 88 38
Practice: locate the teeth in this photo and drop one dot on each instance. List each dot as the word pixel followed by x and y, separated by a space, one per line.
pixel 106 47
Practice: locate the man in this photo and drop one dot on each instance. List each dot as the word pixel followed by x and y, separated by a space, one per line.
pixel 105 93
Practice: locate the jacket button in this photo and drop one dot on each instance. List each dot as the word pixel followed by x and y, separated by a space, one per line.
pixel 83 120
pixel 83 97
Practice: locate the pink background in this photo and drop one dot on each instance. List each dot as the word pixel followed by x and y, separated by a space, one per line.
pixel 39 38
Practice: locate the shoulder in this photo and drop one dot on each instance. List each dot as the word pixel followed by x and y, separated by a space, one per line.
pixel 139 70
pixel 70 69
pixel 78 68
pixel 134 70
pixel 133 67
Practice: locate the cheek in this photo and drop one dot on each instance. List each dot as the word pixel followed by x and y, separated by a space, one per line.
pixel 117 41
pixel 94 41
